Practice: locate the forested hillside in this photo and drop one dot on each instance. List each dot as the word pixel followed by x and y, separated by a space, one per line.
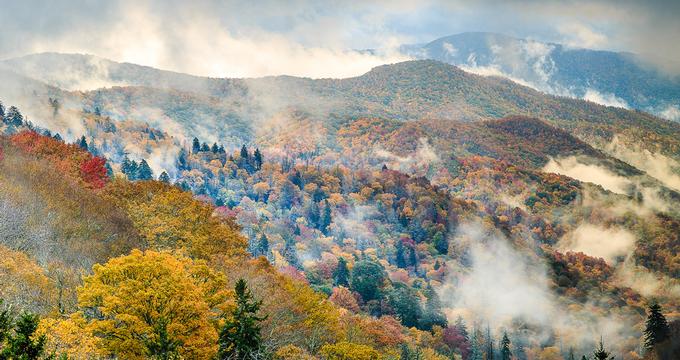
pixel 417 211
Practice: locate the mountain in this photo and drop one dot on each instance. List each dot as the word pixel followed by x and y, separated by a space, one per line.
pixel 366 213
pixel 611 78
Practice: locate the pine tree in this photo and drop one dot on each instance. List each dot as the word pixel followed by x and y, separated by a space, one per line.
pixel 440 243
pixel 313 214
pixel 244 153
pixel 164 177
pixel 129 168
pixel 571 355
pixel 601 354
pixel 215 148
pixel 462 329
pixel 400 256
pixel 182 160
pixel 205 147
pixel 475 351
pixel 195 146
pixel 257 157
pixel 341 274
pixel 240 337
pixel 489 344
pixel 263 246
pixel 23 343
pixel 432 314
pixel 2 112
pixel 83 143
pixel 505 347
pixel 326 217
pixel 14 117
pixel 656 330
pixel 144 171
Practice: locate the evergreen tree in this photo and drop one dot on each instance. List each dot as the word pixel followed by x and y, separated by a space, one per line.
pixel 182 160
pixel 263 246
pixel 58 137
pixel 440 243
pixel 2 112
pixel 313 214
pixel 195 146
pixel 240 337
pixel 601 354
pixel 258 159
pixel 462 329
pixel 164 177
pixel 109 170
pixel 144 171
pixel 401 260
pixel 23 343
pixel 489 344
pixel 475 351
pixel 5 324
pixel 14 117
pixel 290 253
pixel 341 274
pixel 215 148
pixel 571 355
pixel 656 329
pixel 505 348
pixel 83 143
pixel 412 257
pixel 432 314
pixel 244 152
pixel 129 168
pixel 326 217
pixel 205 147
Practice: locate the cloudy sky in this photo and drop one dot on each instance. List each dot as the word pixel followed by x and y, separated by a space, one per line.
pixel 313 38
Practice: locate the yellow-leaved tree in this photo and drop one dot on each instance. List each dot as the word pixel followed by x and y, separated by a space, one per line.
pixel 169 218
pixel 155 304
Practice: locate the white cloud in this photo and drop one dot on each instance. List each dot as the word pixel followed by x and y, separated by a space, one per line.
pixel 572 167
pixel 581 36
pixel 600 242
pixel 604 99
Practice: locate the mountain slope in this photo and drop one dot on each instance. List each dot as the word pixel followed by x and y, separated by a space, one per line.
pixel 616 78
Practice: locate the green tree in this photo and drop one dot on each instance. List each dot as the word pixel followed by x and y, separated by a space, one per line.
pixel 368 279
pixel 440 243
pixel 83 143
pixel 240 337
pixel 432 314
pixel 164 177
pixel 341 274
pixel 406 304
pixel 401 259
pixel 129 168
pixel 263 246
pixel 505 348
pixel 489 344
pixel 258 159
pixel 14 117
pixel 326 217
pixel 656 329
pixel 601 354
pixel 144 171
pixel 195 146
pixel 22 343
pixel 244 152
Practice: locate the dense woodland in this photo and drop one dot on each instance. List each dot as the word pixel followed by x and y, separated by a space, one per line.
pixel 348 238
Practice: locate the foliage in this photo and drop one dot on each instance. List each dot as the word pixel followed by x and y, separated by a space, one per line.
pixel 154 304
pixel 240 336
